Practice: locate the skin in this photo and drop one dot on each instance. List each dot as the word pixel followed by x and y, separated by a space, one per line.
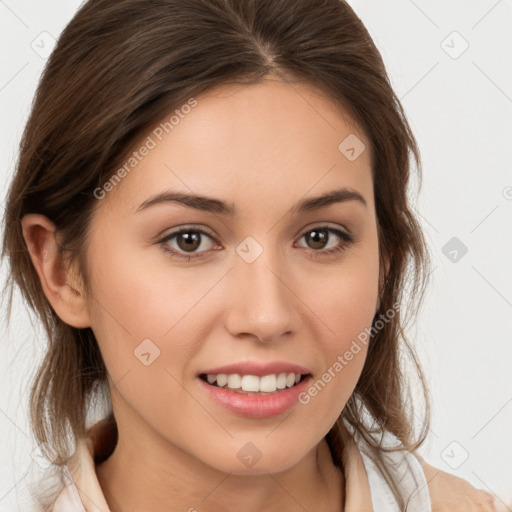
pixel 264 148
pixel 449 493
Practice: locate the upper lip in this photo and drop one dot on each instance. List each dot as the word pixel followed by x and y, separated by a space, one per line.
pixel 257 369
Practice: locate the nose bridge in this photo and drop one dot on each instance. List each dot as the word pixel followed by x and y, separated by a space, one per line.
pixel 263 302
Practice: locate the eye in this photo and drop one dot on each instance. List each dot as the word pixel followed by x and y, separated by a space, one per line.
pixel 188 240
pixel 318 238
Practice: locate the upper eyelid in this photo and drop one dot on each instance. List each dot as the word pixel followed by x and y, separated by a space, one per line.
pixel 186 229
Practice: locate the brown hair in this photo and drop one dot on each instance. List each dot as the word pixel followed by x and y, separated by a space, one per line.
pixel 117 69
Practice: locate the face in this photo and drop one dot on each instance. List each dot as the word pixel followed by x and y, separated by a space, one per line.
pixel 180 292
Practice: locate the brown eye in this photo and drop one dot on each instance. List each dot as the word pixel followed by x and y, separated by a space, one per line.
pixel 317 238
pixel 186 242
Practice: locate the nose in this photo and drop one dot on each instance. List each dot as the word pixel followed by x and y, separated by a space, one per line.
pixel 263 304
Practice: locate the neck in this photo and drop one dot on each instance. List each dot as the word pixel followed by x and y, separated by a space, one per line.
pixel 158 476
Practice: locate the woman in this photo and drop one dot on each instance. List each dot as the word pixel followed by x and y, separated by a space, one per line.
pixel 258 368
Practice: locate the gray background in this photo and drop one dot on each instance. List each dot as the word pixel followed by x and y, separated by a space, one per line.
pixel 459 103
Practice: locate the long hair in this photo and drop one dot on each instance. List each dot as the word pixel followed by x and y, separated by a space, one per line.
pixel 117 68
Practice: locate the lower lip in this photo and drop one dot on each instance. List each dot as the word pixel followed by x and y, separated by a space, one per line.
pixel 256 406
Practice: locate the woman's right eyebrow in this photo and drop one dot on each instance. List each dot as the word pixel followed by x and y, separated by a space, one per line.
pixel 217 206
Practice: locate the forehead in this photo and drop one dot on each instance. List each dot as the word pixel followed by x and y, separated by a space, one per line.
pixel 246 142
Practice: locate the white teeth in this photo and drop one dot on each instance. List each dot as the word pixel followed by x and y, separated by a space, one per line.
pixel 222 380
pixel 268 383
pixel 281 381
pixel 252 383
pixel 234 381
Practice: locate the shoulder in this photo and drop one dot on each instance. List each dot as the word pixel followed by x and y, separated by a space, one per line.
pixel 449 493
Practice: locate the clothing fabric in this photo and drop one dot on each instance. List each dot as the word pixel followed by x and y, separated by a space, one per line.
pixel 365 488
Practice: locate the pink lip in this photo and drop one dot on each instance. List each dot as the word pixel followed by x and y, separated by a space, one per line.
pixel 258 369
pixel 256 406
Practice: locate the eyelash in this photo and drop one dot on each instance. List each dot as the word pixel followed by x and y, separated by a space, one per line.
pixel 347 241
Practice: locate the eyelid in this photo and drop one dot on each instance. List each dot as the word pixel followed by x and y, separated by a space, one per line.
pixel 325 225
pixel 191 227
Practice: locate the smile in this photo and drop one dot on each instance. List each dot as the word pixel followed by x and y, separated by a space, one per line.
pixel 253 384
pixel 248 402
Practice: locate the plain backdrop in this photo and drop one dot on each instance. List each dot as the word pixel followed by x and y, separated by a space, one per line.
pixel 450 64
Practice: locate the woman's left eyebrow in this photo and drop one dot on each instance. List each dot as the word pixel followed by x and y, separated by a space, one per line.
pixel 217 206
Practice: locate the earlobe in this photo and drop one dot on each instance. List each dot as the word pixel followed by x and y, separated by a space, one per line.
pixel 55 275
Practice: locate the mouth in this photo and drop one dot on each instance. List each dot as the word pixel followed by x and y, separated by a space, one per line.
pixel 269 384
pixel 255 389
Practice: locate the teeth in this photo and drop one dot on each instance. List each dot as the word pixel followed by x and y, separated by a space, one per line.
pixel 268 383
pixel 253 383
pixel 234 381
pixel 281 381
pixel 222 380
pixel 249 383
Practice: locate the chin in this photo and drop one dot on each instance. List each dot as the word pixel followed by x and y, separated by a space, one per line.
pixel 249 460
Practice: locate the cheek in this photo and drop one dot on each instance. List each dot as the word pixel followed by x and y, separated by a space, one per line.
pixel 345 307
pixel 344 355
pixel 137 298
pixel 345 299
pixel 345 294
pixel 135 314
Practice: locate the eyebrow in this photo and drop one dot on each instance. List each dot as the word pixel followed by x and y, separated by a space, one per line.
pixel 216 206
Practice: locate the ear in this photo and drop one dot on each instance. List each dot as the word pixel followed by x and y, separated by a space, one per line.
pixel 60 285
